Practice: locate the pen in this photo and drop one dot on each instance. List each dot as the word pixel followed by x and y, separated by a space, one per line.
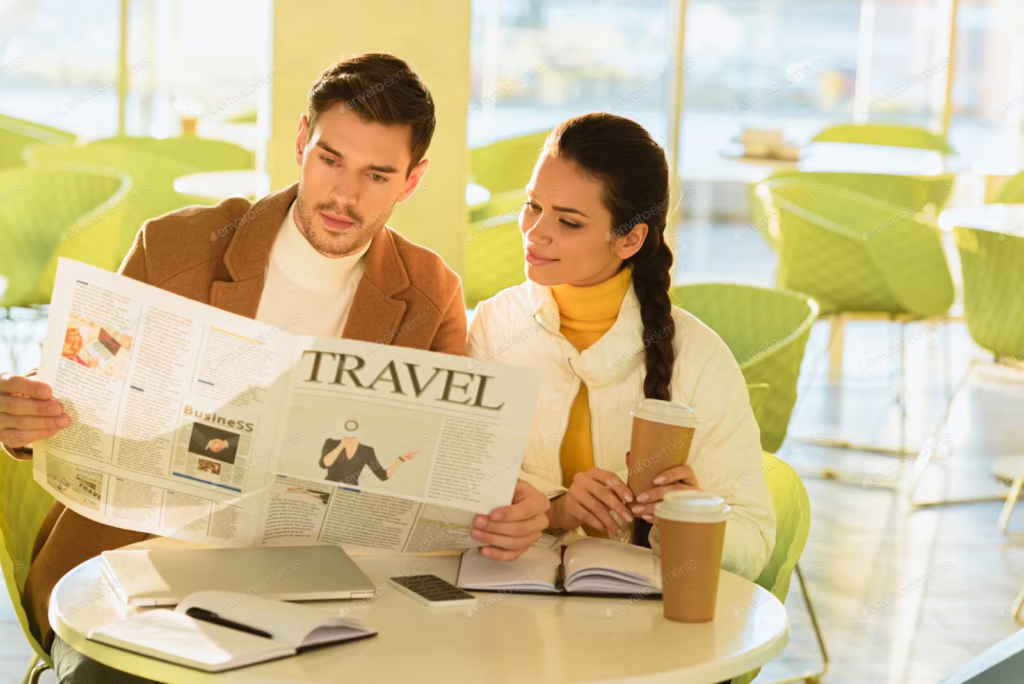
pixel 210 616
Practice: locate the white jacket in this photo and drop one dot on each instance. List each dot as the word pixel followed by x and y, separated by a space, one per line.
pixel 520 326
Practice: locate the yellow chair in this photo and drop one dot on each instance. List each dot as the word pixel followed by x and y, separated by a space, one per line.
pixel 494 248
pixel 793 524
pixel 17 135
pixel 506 164
pixel 23 506
pixel 887 135
pixel 41 210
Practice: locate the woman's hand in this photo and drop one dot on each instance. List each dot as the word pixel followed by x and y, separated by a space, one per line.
pixel 408 456
pixel 510 530
pixel 674 479
pixel 592 495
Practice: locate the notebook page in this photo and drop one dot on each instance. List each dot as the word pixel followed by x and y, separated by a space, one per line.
pixel 535 570
pixel 174 637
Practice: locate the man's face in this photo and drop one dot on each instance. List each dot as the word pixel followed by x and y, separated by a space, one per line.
pixel 353 173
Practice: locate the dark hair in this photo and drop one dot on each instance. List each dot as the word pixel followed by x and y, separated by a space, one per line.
pixel 633 169
pixel 634 172
pixel 379 88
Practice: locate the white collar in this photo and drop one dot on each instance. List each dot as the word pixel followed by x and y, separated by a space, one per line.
pixel 304 265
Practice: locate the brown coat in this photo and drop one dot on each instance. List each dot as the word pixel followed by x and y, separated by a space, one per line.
pixel 218 256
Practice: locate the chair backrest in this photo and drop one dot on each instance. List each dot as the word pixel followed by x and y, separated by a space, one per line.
pixel 39 210
pixel 17 135
pixel 203 153
pixel 103 238
pixel 928 194
pixel 506 164
pixel 888 135
pixel 494 249
pixel 1011 192
pixel 792 524
pixel 767 332
pixel 23 506
pixel 993 275
pixel 855 253
pixel 758 392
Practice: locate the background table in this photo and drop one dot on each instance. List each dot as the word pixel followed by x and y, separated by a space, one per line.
pixel 504 636
pixel 997 218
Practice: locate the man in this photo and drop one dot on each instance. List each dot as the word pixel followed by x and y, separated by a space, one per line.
pixel 314 258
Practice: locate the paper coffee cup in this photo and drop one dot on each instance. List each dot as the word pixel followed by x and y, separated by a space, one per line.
pixel 692 528
pixel 662 434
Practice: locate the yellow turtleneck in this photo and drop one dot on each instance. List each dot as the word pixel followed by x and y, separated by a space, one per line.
pixel 586 314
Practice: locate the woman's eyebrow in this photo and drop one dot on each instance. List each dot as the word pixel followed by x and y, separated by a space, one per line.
pixel 570 210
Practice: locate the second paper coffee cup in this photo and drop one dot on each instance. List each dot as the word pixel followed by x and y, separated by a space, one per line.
pixel 692 529
pixel 662 434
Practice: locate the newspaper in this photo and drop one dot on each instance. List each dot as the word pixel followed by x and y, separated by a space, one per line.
pixel 195 423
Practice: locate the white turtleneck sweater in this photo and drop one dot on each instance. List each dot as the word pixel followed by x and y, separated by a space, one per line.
pixel 306 292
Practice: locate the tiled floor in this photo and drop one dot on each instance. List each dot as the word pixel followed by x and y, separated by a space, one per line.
pixel 903 596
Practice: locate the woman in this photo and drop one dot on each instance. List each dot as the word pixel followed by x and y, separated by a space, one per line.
pixel 345 458
pixel 595 315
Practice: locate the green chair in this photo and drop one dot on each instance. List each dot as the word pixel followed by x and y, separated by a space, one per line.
pixel 494 249
pixel 247 116
pixel 1011 192
pixel 858 257
pixel 767 332
pixel 758 392
pixel 928 195
pixel 506 164
pixel 103 239
pixel 854 253
pixel 23 507
pixel 16 135
pixel 888 135
pixel 204 154
pixel 793 525
pixel 993 290
pixel 40 213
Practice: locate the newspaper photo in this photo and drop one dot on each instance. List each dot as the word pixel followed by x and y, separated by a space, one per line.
pixel 195 423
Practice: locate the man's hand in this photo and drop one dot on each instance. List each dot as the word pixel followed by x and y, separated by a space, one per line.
pixel 510 530
pixel 27 411
pixel 592 495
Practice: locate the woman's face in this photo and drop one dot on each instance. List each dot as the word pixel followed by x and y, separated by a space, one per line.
pixel 567 230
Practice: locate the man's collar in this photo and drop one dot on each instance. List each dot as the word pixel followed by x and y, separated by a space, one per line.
pixel 247 256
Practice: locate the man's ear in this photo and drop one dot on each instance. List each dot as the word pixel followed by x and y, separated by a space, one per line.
pixel 413 181
pixel 300 139
pixel 630 243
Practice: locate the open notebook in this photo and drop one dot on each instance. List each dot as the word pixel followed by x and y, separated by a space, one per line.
pixel 588 566
pixel 275 630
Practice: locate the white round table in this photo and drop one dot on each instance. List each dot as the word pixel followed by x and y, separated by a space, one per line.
pixel 506 637
pixel 997 218
pixel 220 185
pixel 852 158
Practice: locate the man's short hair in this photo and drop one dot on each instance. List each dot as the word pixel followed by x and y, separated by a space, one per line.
pixel 379 88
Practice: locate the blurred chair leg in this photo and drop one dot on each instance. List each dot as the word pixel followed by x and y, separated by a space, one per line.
pixel 814 677
pixel 927 455
pixel 835 348
pixel 1019 603
pixel 36 668
pixel 1009 468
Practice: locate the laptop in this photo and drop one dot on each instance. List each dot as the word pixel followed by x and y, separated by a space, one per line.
pixel 163 577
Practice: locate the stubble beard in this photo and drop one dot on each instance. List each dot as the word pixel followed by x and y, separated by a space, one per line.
pixel 332 244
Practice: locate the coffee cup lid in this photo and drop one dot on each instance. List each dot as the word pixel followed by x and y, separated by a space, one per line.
pixel 660 411
pixel 692 506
